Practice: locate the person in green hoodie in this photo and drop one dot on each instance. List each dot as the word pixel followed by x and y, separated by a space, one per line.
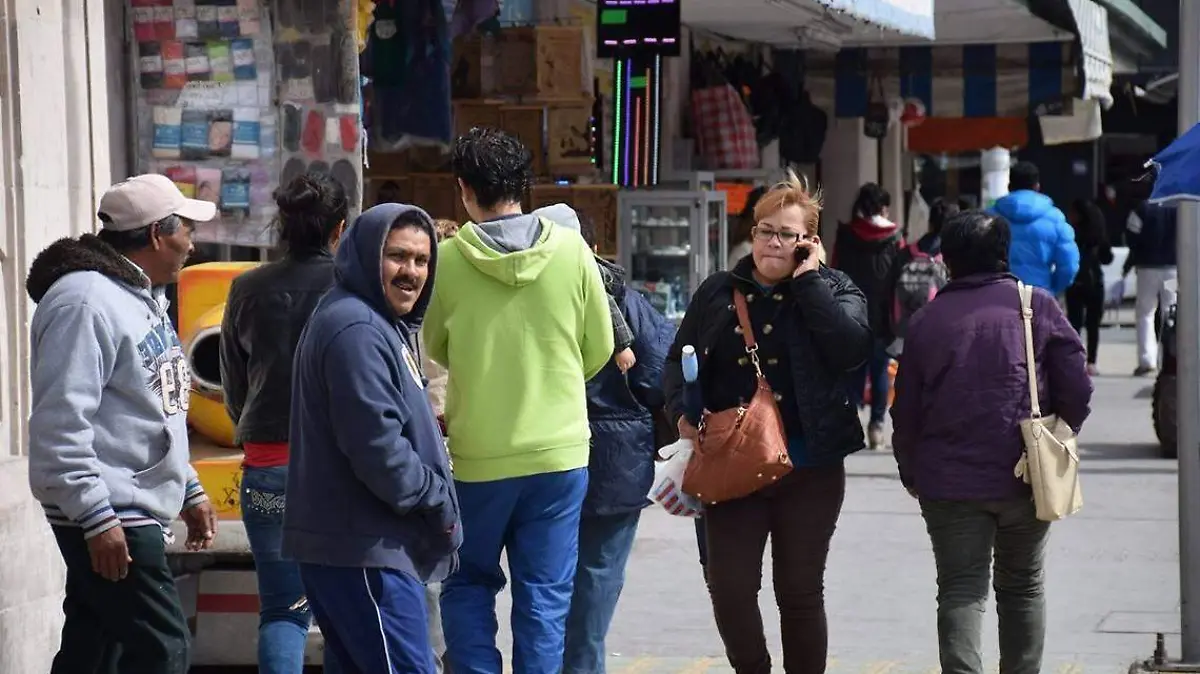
pixel 519 317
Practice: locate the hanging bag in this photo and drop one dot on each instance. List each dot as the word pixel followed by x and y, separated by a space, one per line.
pixel 742 449
pixel 1050 463
pixel 721 123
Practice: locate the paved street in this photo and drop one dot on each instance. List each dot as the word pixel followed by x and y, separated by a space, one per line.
pixel 1112 580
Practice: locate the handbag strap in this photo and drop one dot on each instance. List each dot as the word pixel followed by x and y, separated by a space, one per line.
pixel 743 316
pixel 1026 293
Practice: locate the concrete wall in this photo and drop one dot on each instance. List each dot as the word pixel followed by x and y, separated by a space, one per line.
pixel 54 159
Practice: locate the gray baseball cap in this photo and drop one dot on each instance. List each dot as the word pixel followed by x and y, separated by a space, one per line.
pixel 142 200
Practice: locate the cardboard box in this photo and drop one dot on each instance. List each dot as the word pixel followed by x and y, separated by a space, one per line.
pixel 540 60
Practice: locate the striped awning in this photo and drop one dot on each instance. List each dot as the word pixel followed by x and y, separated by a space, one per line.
pixel 970 81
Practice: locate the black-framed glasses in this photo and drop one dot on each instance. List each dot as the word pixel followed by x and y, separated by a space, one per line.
pixel 787 238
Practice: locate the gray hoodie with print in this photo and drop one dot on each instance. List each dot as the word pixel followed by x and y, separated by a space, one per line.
pixel 108 441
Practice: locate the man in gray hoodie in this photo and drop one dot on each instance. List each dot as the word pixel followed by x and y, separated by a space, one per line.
pixel 108 445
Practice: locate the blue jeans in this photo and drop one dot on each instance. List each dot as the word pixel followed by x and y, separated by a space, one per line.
pixel 876 368
pixel 604 546
pixel 535 520
pixel 282 631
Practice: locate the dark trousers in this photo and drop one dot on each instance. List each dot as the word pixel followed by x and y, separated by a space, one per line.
pixel 799 515
pixel 968 538
pixel 132 625
pixel 374 620
pixel 1085 309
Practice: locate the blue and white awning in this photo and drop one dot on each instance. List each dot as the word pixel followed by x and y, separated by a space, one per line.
pixel 989 80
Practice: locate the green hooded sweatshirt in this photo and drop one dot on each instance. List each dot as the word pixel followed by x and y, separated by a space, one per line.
pixel 520 332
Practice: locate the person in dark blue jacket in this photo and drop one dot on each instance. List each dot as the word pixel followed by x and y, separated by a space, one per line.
pixel 620 471
pixel 371 513
pixel 1043 251
pixel 1151 231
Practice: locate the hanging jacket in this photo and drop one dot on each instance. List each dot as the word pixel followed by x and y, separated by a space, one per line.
pixel 620 413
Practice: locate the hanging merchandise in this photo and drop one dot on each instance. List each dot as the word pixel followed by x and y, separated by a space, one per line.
pixel 724 130
pixel 319 91
pixel 408 60
pixel 875 123
pixel 204 108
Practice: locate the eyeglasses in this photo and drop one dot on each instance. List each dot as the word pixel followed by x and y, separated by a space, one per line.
pixel 785 237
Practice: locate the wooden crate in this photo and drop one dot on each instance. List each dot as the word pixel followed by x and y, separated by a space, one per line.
pixel 466 67
pixel 597 203
pixel 539 60
pixel 527 123
pixel 476 112
pixel 437 193
pixel 384 188
pixel 569 130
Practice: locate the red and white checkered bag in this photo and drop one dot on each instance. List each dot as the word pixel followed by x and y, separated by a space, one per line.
pixel 725 136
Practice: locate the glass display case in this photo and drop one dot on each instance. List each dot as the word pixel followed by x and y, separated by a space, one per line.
pixel 671 241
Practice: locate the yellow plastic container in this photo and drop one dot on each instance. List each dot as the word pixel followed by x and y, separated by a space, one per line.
pixel 203 290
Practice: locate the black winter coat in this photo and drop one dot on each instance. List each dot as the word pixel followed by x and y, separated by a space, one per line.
pixel 827 337
pixel 621 462
pixel 265 313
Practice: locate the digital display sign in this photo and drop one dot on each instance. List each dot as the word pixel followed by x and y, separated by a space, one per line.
pixel 637 27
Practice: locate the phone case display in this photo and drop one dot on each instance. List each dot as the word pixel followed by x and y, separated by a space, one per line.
pixel 205 109
pixel 671 241
pixel 320 127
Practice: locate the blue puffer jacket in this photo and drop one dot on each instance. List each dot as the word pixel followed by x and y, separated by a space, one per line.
pixel 1043 251
pixel 621 465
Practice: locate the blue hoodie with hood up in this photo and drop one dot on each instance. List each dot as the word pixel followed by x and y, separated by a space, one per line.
pixel 369 481
pixel 1043 251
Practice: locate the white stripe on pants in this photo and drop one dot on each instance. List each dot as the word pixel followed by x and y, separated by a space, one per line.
pixel 1152 292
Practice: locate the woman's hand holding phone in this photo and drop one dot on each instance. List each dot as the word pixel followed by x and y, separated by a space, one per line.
pixel 807 258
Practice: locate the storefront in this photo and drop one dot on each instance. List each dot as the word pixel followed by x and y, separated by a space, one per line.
pixel 232 99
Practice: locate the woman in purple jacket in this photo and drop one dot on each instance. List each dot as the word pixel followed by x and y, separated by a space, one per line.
pixel 961 392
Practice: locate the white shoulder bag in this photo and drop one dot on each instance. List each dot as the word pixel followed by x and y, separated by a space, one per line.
pixel 1050 464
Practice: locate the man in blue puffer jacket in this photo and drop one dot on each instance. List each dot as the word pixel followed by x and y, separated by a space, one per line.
pixel 1043 251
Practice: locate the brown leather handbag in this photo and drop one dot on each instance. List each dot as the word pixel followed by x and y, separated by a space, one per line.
pixel 742 449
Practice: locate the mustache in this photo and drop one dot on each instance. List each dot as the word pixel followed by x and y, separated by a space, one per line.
pixel 404 281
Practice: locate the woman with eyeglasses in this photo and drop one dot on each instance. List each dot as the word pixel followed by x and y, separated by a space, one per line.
pixel 810 327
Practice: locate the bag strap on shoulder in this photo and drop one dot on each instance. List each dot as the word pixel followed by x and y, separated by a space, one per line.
pixel 1026 293
pixel 743 316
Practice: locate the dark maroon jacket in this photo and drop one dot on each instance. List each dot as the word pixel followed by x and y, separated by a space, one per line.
pixel 961 388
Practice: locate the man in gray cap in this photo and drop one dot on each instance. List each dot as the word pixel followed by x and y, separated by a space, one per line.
pixel 108 445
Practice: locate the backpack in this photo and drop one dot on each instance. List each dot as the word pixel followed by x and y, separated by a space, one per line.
pixel 920 278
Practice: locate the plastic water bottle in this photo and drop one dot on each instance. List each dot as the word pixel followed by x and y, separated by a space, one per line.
pixel 691 366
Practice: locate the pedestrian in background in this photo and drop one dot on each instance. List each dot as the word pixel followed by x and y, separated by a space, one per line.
pixel 108 437
pixel 520 319
pixel 961 391
pixel 620 472
pixel 371 512
pixel 1151 233
pixel 265 313
pixel 866 250
pixel 811 330
pixel 1043 252
pixel 1085 297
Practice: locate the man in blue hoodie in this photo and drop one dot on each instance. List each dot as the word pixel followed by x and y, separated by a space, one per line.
pixel 1043 251
pixel 371 513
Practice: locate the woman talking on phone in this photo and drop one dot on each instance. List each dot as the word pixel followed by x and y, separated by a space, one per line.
pixel 809 326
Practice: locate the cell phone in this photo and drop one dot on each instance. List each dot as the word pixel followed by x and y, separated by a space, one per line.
pixel 802 253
